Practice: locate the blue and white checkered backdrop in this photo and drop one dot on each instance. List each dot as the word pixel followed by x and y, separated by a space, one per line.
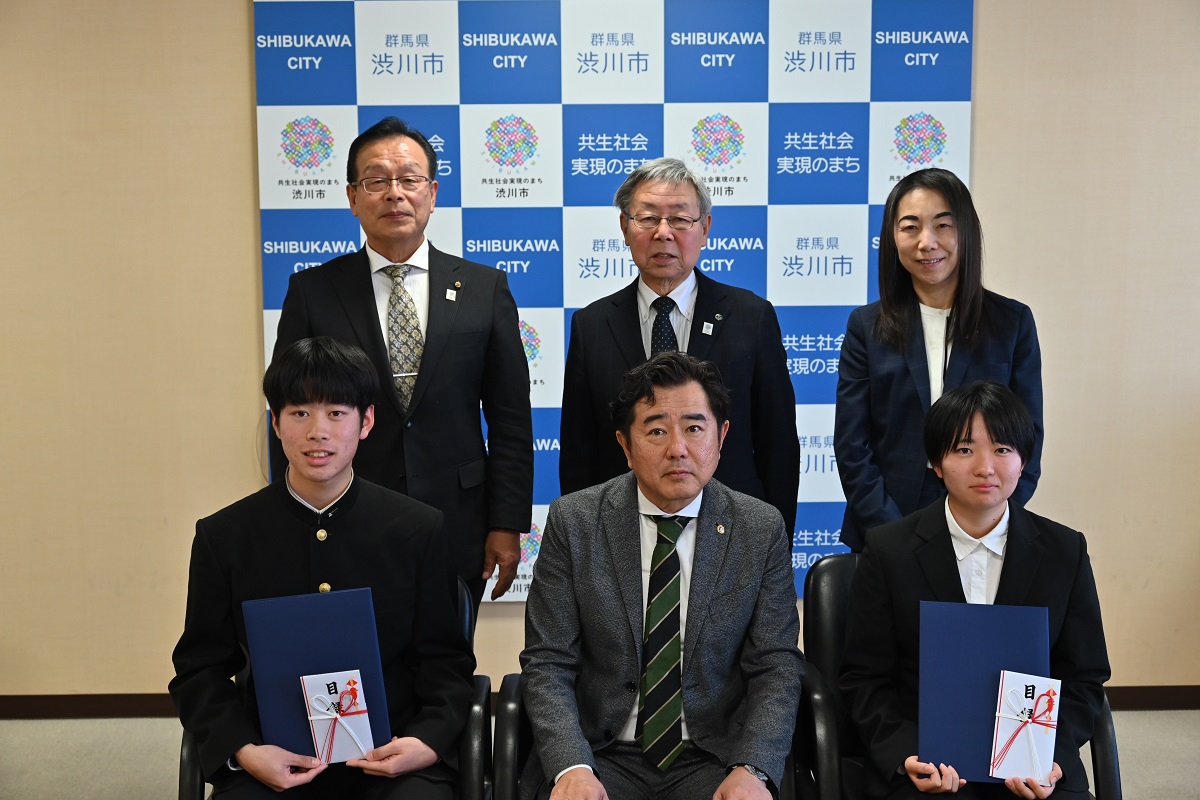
pixel 799 114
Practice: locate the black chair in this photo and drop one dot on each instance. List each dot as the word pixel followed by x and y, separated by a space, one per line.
pixel 826 595
pixel 474 748
pixel 514 740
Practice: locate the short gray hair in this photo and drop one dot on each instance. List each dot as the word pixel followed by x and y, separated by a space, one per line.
pixel 663 170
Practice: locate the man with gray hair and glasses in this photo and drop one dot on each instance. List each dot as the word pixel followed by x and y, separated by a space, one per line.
pixel 665 216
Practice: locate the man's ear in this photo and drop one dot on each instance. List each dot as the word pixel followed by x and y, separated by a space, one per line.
pixel 275 423
pixel 624 442
pixel 937 470
pixel 368 422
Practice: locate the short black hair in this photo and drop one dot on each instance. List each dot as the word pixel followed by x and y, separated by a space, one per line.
pixel 321 370
pixel 388 128
pixel 1006 418
pixel 667 370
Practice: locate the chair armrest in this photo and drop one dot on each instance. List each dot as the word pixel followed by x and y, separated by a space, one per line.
pixel 191 778
pixel 514 737
pixel 1106 767
pixel 475 746
pixel 815 747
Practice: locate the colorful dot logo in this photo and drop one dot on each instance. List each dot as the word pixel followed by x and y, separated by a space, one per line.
pixel 531 543
pixel 530 341
pixel 511 142
pixel 919 138
pixel 307 143
pixel 717 140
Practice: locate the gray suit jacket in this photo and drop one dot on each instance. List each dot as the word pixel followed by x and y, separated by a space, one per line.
pixel 583 631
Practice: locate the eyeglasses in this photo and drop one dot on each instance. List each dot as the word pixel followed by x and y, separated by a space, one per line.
pixel 650 222
pixel 409 183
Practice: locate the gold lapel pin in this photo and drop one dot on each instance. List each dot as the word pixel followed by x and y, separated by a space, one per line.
pixel 458 284
pixel 721 529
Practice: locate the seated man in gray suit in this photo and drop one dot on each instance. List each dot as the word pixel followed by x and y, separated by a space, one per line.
pixel 660 652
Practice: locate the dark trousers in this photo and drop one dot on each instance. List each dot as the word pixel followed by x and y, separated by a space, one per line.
pixel 903 789
pixel 626 774
pixel 339 782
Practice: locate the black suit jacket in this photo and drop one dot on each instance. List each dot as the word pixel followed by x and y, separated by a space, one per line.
pixel 910 560
pixel 883 397
pixel 473 356
pixel 761 454
pixel 265 545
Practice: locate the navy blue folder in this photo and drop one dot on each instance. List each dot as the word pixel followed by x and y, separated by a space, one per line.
pixel 311 634
pixel 964 647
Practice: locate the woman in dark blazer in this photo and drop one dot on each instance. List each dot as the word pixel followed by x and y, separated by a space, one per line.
pixel 933 328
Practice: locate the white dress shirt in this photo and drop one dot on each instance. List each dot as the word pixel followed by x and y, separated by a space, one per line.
pixel 416 282
pixel 979 560
pixel 937 349
pixel 684 296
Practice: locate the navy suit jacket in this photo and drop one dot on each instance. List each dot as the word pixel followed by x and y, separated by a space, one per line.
pixel 761 454
pixel 883 397
pixel 910 560
pixel 582 661
pixel 473 355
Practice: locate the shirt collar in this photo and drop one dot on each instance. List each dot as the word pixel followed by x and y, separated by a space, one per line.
pixel 684 296
pixel 965 544
pixel 691 510
pixel 418 260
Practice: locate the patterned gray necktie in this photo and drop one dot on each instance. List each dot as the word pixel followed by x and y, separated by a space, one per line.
pixel 405 342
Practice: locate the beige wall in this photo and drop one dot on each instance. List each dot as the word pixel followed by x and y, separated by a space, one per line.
pixel 131 323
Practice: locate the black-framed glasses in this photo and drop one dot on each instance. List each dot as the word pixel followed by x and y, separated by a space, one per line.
pixel 409 183
pixel 676 222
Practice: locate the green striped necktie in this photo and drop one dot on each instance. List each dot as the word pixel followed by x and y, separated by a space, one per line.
pixel 660 703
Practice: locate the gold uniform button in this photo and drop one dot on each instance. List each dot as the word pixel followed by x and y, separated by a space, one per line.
pixel 322 535
pixel 324 587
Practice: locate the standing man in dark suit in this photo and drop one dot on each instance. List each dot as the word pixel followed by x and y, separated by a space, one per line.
pixel 627 571
pixel 444 336
pixel 665 218
pixel 974 546
pixel 323 528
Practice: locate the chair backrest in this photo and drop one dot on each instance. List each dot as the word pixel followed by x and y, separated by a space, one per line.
pixel 826 594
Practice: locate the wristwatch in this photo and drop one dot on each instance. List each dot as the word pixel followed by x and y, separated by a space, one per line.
pixel 755 771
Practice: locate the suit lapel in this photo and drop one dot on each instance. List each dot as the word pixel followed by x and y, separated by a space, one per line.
pixel 621 529
pixel 918 365
pixel 356 292
pixel 707 562
pixel 625 327
pixel 1022 555
pixel 711 309
pixel 956 368
pixel 442 314
pixel 935 554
